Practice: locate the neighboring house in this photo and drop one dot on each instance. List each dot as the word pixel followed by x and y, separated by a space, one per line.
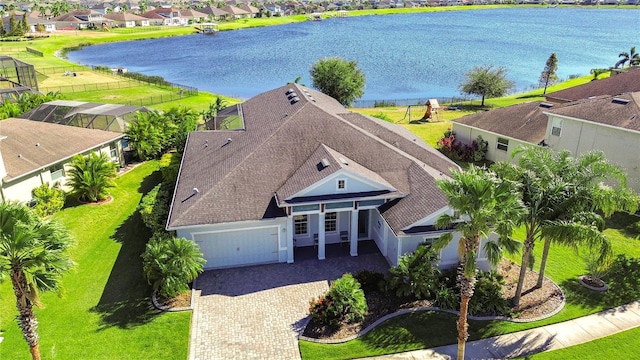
pixel 236 12
pixel 624 82
pixel 607 123
pixel 305 172
pixel 126 20
pixel 214 13
pixel 610 124
pixel 33 153
pixel 169 16
pixel 252 10
pixel 505 129
pixel 193 16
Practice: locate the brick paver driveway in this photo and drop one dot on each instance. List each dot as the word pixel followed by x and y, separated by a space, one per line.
pixel 258 312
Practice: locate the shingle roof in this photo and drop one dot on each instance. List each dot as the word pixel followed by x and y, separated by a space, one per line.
pixel 525 121
pixel 237 179
pixel 614 85
pixel 621 111
pixel 30 145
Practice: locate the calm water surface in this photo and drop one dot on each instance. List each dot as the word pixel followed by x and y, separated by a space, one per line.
pixel 403 56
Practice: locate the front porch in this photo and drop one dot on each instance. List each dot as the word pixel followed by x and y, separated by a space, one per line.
pixel 332 251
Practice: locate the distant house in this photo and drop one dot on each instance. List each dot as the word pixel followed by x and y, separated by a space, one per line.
pixel 193 16
pixel 305 173
pixel 624 82
pixel 127 20
pixel 167 16
pixel 214 13
pixel 252 10
pixel 235 12
pixel 79 19
pixel 33 153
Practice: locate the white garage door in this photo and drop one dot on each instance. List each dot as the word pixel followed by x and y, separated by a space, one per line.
pixel 239 247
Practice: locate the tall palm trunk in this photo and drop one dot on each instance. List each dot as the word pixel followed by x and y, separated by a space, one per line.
pixel 543 262
pixel 526 255
pixel 463 326
pixel 26 318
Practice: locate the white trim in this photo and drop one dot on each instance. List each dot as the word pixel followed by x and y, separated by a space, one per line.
pixel 428 218
pixel 342 182
pixel 592 122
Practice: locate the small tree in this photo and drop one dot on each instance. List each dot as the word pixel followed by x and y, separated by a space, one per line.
pixel 49 200
pixel 92 176
pixel 548 75
pixel 24 26
pixel 487 82
pixel 170 264
pixel 338 78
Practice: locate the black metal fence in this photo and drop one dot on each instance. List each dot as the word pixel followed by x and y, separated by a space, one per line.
pixel 443 101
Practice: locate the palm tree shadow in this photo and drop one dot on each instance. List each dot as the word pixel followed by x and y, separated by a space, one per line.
pixel 150 181
pixel 125 300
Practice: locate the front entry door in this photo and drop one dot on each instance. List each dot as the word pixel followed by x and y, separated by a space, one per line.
pixel 363 224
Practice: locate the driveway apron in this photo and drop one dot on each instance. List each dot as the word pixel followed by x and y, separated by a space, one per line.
pixel 258 312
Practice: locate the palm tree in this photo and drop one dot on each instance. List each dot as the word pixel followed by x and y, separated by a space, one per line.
pixel 171 263
pixel 146 135
pixel 595 187
pixel 481 203
pixel 91 176
pixel 546 196
pixel 33 252
pixel 631 57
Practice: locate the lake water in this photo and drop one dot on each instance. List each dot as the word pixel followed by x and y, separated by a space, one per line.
pixel 403 56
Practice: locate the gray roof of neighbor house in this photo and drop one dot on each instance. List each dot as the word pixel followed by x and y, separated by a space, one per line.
pixel 28 145
pixel 614 85
pixel 622 111
pixel 526 121
pixel 237 173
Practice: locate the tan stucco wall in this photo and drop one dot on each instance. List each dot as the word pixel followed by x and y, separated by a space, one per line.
pixel 467 134
pixel 620 146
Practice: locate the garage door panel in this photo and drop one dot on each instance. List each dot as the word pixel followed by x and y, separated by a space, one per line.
pixel 235 248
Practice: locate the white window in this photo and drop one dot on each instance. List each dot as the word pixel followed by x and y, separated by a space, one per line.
pixel 330 222
pixel 57 171
pixel 556 127
pixel 341 184
pixel 300 224
pixel 113 150
pixel 503 144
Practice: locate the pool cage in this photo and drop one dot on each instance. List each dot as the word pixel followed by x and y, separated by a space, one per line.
pixel 16 77
pixel 109 117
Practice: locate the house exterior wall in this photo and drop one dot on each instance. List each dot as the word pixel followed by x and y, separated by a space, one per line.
pixel 330 186
pixel 620 146
pixel 467 134
pixel 19 189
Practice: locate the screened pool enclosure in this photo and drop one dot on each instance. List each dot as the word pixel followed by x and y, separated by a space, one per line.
pixel 110 117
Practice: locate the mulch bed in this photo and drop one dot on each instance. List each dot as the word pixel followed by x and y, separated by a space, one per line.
pixel 181 301
pixel 534 303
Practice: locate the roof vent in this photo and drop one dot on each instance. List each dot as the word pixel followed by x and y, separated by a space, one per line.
pixel 546 105
pixel 195 191
pixel 324 162
pixel 294 100
pixel 620 101
pixel 19 155
pixel 292 95
pixel 37 144
pixel 343 160
pixel 290 91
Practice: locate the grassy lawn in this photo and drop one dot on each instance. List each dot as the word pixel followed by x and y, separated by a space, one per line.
pixel 424 330
pixel 605 348
pixel 106 311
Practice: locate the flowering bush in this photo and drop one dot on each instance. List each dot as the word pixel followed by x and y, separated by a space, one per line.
pixel 455 149
pixel 344 302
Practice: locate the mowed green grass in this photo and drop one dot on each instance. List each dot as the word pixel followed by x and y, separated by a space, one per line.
pixel 106 310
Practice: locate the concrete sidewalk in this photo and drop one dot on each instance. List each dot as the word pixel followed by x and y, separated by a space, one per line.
pixel 550 337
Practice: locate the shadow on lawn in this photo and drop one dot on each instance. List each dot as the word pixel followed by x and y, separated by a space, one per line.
pixel 125 301
pixel 149 182
pixel 623 280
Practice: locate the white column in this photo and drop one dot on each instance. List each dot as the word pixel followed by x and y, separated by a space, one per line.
pixel 289 233
pixel 321 239
pixel 354 233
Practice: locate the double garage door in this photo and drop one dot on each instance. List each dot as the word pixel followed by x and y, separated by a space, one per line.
pixel 239 247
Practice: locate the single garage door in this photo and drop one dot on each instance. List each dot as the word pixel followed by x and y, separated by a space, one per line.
pixel 239 247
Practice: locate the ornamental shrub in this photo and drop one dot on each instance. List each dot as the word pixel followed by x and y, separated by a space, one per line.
pixel 447 298
pixel 344 302
pixel 154 207
pixel 169 264
pixel 416 274
pixel 169 166
pixel 48 200
pixel 487 297
pixel 370 281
